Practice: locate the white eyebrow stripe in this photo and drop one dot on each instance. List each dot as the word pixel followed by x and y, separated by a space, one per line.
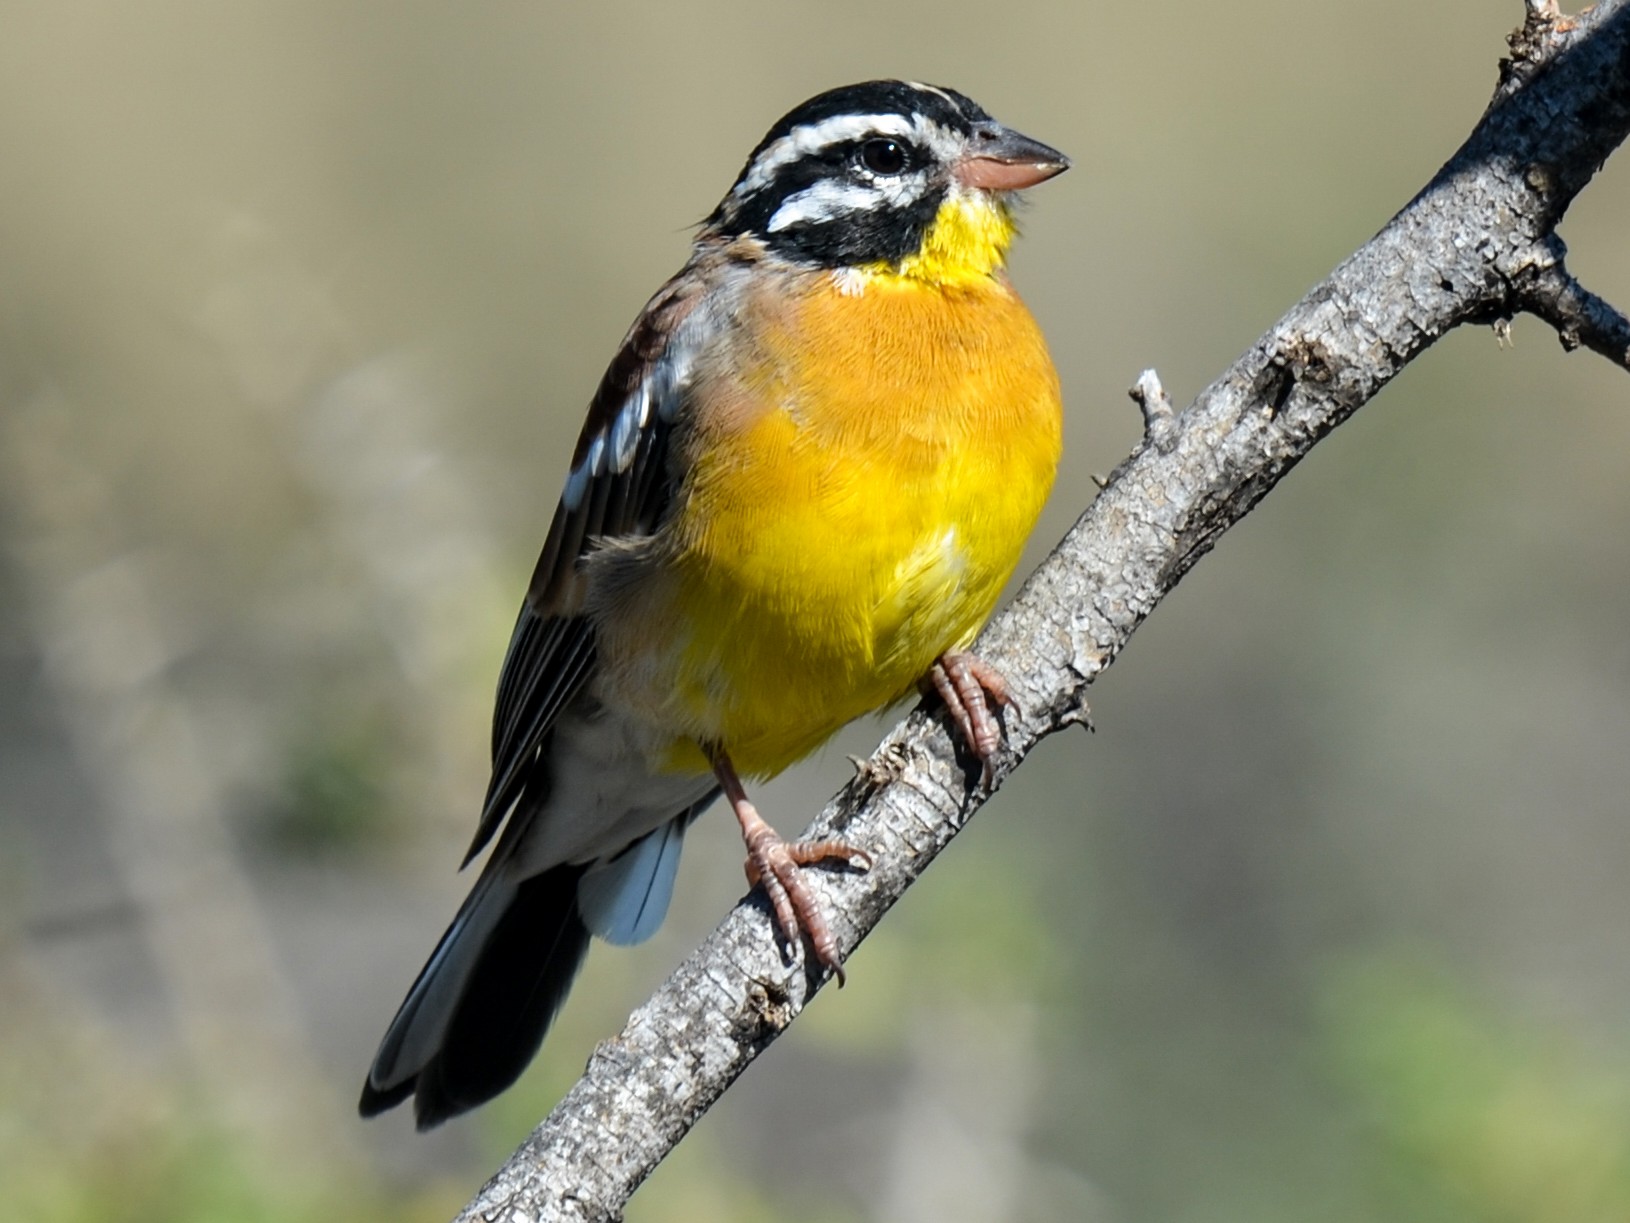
pixel 944 141
pixel 809 138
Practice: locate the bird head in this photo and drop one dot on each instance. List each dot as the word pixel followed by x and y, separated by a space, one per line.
pixel 886 178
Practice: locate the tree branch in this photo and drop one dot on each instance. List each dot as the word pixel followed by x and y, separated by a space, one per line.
pixel 1478 244
pixel 1579 316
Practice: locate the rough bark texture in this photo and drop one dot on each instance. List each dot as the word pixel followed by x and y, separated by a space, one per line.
pixel 1477 245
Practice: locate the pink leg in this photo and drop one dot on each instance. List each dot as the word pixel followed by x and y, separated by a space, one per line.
pixel 963 681
pixel 778 866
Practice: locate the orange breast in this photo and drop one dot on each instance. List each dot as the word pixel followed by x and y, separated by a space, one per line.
pixel 851 511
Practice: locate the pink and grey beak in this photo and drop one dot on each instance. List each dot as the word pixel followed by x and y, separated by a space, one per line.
pixel 1000 159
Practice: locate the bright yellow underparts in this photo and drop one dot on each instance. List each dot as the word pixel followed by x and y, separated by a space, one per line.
pixel 858 494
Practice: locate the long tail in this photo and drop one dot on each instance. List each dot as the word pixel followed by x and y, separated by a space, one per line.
pixel 483 1002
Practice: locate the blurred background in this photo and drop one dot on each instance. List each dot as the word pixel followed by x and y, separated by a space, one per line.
pixel 301 306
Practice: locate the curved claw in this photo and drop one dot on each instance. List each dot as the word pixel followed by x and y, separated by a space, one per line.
pixel 778 865
pixel 967 684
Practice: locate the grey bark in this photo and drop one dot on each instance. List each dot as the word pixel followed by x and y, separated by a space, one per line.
pixel 1477 245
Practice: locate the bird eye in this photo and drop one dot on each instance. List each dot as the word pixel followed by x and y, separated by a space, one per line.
pixel 882 156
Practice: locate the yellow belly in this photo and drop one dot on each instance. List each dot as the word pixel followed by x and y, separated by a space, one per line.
pixel 852 515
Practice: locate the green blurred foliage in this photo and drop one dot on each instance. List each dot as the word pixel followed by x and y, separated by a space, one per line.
pixel 88 1137
pixel 334 798
pixel 1473 1117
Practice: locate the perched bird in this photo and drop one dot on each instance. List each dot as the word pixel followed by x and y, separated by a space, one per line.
pixel 803 481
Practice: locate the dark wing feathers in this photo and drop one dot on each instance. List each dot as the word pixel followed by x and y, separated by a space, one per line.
pixel 619 486
pixel 549 660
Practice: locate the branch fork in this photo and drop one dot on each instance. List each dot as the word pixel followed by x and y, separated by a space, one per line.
pixel 1581 318
pixel 1159 420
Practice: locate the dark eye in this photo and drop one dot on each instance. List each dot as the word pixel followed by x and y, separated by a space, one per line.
pixel 883 156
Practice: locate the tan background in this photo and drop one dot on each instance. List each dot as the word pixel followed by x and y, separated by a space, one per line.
pixel 299 307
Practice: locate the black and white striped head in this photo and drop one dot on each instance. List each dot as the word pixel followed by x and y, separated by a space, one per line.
pixel 856 176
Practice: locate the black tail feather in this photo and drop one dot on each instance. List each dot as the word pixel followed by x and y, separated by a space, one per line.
pixel 522 976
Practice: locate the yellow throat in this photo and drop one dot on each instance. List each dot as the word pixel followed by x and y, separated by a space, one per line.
pixel 967 241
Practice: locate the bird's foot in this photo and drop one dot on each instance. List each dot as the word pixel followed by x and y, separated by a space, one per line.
pixel 778 865
pixel 968 684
